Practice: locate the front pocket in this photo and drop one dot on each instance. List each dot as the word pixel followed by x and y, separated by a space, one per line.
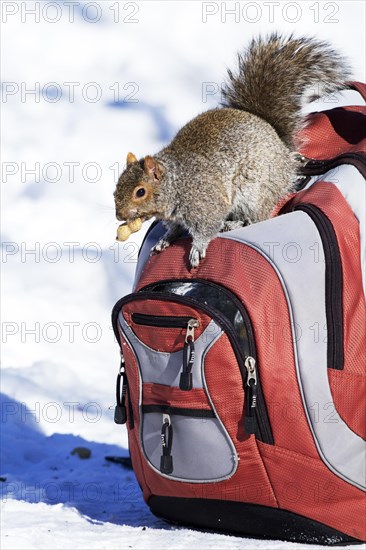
pixel 181 442
pixel 333 284
pixel 227 314
pixel 233 317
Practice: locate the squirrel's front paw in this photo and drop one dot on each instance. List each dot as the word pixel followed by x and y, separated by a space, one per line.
pixel 197 253
pixel 160 246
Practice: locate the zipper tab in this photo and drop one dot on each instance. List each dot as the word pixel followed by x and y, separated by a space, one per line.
pixel 186 380
pixel 166 419
pixel 192 324
pixel 166 460
pixel 250 365
pixel 120 415
pixel 250 421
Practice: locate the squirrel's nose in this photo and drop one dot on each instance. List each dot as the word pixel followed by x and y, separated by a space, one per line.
pixel 124 215
pixel 119 216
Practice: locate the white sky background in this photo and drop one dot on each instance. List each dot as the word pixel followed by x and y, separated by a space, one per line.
pixel 163 61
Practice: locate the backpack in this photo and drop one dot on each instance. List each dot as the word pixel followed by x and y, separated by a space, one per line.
pixel 242 382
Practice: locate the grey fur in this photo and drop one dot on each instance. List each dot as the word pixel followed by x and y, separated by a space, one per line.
pixel 231 165
pixel 277 75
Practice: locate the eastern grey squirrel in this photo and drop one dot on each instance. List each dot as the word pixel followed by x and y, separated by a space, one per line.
pixel 229 166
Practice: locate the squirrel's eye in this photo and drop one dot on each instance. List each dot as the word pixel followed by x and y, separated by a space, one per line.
pixel 140 192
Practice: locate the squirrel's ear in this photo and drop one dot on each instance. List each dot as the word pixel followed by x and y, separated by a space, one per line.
pixel 131 158
pixel 152 168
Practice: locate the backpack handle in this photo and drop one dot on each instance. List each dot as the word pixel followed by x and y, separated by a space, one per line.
pixel 359 87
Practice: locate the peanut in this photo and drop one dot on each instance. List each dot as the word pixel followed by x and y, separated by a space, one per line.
pixel 123 232
pixel 125 229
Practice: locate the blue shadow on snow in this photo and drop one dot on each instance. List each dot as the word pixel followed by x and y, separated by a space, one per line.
pixel 40 468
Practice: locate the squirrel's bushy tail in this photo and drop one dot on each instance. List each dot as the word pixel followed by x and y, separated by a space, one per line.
pixel 277 75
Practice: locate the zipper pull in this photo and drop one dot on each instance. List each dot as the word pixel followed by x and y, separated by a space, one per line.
pixel 192 324
pixel 250 421
pixel 166 460
pixel 120 415
pixel 185 381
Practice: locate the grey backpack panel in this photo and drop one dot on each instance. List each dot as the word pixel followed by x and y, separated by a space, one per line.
pixel 200 451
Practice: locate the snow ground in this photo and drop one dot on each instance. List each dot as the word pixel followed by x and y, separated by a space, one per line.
pixel 57 382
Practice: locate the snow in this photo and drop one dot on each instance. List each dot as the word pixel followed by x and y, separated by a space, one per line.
pixel 59 357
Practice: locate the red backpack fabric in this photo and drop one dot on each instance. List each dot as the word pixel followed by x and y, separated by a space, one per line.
pixel 243 381
pixel 337 131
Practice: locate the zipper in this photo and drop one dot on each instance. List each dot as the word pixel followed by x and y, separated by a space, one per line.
pixel 264 432
pixel 251 396
pixel 160 320
pixel 333 284
pixel 168 409
pixel 186 379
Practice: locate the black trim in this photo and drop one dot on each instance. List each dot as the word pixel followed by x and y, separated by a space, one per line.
pixel 164 321
pixel 333 284
pixel 167 409
pixel 318 167
pixel 230 295
pixel 250 520
pixel 301 183
pixel 152 226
